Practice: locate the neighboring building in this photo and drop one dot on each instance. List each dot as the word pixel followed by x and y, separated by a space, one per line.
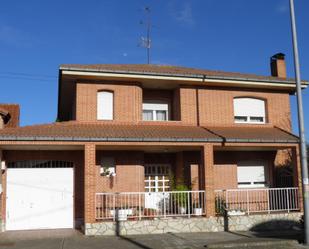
pixel 127 135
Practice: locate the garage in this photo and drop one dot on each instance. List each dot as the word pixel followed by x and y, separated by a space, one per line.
pixel 39 195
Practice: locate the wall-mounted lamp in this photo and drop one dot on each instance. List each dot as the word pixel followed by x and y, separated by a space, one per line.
pixel 3 165
pixel 107 167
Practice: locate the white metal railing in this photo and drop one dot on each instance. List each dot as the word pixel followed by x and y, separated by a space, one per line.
pixel 247 201
pixel 138 205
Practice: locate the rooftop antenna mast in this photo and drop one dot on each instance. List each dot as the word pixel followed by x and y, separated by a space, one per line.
pixel 146 42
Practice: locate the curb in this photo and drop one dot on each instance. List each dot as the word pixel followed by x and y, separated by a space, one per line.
pixel 252 243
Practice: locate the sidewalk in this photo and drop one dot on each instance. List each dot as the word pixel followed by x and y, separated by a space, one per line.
pixel 70 239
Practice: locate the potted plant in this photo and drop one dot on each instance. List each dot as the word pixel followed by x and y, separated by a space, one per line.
pixel 220 206
pixel 197 209
pixel 181 199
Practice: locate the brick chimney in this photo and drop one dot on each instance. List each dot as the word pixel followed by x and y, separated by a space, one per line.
pixel 277 65
pixel 9 115
pixel 1 122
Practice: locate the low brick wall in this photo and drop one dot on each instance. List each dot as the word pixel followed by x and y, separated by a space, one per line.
pixel 185 225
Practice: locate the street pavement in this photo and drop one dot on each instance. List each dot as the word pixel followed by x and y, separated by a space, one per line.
pixel 71 239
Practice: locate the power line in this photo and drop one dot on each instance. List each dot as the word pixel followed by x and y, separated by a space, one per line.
pixel 26 76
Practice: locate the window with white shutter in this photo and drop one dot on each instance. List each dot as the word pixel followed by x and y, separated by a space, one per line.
pixel 251 174
pixel 249 110
pixel 105 103
pixel 153 111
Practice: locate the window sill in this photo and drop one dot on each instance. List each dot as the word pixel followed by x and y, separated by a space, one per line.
pixel 250 123
pixel 172 122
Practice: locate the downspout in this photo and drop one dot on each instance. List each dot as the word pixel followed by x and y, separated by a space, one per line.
pixel 197 107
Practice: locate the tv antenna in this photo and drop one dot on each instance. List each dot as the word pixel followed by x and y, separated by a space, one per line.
pixel 146 41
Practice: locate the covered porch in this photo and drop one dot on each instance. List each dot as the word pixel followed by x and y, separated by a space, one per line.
pixel 146 172
pixel 197 181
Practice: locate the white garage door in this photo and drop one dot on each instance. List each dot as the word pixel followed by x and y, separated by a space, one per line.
pixel 39 198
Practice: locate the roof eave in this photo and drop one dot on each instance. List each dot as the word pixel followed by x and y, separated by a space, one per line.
pixel 193 77
pixel 138 139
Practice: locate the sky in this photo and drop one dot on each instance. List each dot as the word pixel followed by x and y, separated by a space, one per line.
pixel 239 36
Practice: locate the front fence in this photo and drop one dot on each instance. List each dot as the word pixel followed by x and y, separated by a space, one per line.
pixel 138 205
pixel 246 201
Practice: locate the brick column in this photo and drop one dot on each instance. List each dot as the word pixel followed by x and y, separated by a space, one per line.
pixel 297 174
pixel 207 160
pixel 89 172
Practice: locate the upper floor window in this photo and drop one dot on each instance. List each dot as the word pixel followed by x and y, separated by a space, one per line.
pixel 249 110
pixel 155 111
pixel 105 104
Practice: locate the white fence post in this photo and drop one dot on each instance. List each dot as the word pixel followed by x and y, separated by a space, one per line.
pixel 268 200
pixel 114 208
pixel 164 205
pixel 140 206
pixel 287 200
pixel 188 202
pixel 248 203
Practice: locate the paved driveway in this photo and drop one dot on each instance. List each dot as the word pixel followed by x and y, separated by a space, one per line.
pixel 70 239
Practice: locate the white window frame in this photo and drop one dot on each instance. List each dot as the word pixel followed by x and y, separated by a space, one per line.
pixel 154 107
pixel 105 105
pixel 253 181
pixel 248 109
pixel 154 168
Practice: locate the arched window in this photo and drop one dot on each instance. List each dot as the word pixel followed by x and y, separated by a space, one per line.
pixel 105 102
pixel 249 110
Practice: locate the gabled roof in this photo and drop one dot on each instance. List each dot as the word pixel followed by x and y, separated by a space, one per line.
pixel 81 131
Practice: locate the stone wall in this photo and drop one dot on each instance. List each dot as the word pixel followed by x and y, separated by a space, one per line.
pixel 185 225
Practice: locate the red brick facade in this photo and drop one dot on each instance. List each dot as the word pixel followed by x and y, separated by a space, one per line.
pixel 200 166
pixel 191 105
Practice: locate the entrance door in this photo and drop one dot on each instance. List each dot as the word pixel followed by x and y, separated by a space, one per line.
pixel 157 181
pixel 39 198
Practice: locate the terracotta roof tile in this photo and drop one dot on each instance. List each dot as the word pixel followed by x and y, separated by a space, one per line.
pixel 111 132
pixel 251 134
pixel 167 70
pixel 79 131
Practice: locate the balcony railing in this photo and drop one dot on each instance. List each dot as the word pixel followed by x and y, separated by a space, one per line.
pixel 260 200
pixel 139 205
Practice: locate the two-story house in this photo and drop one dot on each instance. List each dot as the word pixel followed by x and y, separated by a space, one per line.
pixel 154 149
